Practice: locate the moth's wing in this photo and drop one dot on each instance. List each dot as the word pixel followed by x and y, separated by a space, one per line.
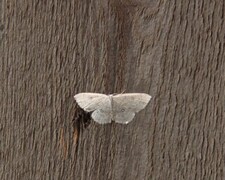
pixel 101 117
pixel 93 101
pixel 124 117
pixel 126 105
pixel 132 101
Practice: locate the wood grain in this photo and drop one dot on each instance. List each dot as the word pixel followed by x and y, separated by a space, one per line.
pixel 52 50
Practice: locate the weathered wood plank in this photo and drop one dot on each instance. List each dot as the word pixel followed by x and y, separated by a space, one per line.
pixel 51 50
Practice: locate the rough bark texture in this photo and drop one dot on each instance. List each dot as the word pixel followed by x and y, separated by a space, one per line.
pixel 171 49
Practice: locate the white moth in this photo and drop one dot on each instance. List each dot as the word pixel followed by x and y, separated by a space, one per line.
pixel 120 108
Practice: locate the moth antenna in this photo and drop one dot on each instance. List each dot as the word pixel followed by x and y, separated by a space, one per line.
pixel 123 91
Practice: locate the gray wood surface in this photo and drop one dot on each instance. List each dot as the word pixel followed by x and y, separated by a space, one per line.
pixel 173 50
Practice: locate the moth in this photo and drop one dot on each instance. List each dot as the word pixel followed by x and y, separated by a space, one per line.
pixel 120 108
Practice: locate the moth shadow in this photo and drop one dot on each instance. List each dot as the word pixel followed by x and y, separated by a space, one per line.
pixel 81 119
